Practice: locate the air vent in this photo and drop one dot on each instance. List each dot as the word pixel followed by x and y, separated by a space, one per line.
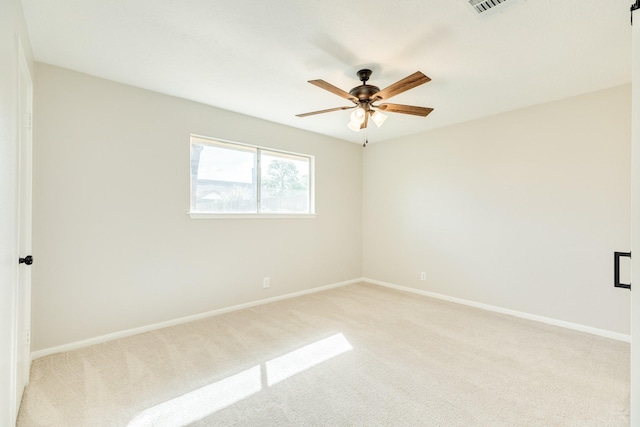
pixel 482 6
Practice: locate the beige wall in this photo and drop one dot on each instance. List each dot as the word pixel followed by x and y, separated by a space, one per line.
pixel 521 210
pixel 115 246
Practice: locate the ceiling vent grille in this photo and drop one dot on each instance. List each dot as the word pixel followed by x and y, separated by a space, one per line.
pixel 482 6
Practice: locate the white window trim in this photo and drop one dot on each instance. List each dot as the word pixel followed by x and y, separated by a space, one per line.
pixel 312 186
pixel 202 215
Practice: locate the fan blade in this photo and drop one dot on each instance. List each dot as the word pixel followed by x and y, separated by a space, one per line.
pixel 365 122
pixel 405 109
pixel 325 111
pixel 415 79
pixel 331 88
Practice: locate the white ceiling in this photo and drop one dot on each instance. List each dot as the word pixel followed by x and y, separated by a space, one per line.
pixel 255 56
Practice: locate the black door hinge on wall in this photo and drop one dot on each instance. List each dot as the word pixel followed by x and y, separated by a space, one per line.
pixel 634 6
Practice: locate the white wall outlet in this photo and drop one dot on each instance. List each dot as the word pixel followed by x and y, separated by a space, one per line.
pixel 266 282
pixel 423 276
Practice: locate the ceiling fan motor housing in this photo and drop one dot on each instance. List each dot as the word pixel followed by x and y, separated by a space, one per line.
pixel 364 91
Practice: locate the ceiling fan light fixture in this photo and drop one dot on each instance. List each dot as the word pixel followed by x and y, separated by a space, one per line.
pixel 357 118
pixel 378 118
pixel 354 126
pixel 358 115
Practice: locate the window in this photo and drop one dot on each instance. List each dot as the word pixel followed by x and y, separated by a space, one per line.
pixel 237 179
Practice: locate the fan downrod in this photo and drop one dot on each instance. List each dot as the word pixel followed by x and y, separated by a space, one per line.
pixel 364 92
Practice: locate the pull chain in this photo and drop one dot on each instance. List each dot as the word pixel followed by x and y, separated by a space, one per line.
pixel 366 136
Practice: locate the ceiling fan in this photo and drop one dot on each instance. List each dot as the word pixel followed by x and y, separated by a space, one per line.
pixel 365 95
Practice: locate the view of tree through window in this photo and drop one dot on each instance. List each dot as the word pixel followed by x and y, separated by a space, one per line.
pixel 285 183
pixel 235 178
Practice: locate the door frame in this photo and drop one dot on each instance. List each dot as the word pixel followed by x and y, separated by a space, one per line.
pixel 635 221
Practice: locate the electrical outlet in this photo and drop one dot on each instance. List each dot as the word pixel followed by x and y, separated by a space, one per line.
pixel 423 276
pixel 266 282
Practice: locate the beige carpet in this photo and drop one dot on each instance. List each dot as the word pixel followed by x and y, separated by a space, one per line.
pixel 359 355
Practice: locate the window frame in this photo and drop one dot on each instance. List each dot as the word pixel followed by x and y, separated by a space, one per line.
pixel 200 139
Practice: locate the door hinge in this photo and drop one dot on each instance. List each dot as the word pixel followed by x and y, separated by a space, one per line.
pixel 634 6
pixel 28 337
pixel 28 120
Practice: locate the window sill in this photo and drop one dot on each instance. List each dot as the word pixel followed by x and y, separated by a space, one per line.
pixel 202 215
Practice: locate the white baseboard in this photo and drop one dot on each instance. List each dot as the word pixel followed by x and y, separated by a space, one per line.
pixel 129 332
pixel 574 326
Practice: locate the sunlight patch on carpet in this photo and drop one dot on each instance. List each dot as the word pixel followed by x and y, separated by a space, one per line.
pixel 207 400
pixel 292 363
pixel 204 401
